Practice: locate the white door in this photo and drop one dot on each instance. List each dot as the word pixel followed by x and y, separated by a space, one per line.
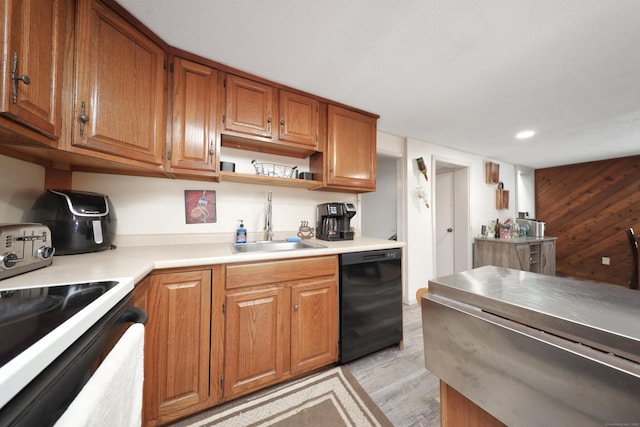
pixel 445 231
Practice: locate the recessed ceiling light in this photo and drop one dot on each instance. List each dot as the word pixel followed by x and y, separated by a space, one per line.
pixel 525 134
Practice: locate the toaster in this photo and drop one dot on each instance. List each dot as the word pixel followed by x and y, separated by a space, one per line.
pixel 25 247
pixel 80 221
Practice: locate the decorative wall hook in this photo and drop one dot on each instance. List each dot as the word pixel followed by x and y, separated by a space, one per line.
pixel 421 193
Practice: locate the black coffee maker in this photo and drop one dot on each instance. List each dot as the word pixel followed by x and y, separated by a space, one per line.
pixel 333 221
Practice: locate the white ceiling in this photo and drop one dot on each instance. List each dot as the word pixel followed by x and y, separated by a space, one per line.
pixel 466 74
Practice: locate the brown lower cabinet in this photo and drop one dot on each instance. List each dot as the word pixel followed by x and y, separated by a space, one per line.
pixel 281 321
pixel 223 331
pixel 183 337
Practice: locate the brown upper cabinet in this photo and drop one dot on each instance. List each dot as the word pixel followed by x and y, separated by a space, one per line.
pixel 263 118
pixel 120 104
pixel 299 116
pixel 194 147
pixel 349 159
pixel 248 107
pixel 33 37
pixel 88 79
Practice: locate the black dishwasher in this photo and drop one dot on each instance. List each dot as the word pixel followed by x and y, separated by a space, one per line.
pixel 370 302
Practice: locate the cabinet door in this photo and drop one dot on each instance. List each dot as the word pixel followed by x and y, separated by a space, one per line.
pixel 193 141
pixel 351 149
pixel 489 252
pixel 548 257
pixel 249 107
pixel 501 254
pixel 314 325
pixel 177 347
pixel 119 106
pixel 521 259
pixel 33 34
pixel 255 339
pixel 298 119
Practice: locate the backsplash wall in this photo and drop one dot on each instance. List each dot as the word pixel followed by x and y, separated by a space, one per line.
pixel 156 205
pixel 152 206
pixel 21 183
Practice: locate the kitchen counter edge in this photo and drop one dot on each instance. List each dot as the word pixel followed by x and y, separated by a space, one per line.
pixel 516 240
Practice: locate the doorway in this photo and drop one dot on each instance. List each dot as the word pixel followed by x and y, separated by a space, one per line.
pixel 451 222
pixel 378 219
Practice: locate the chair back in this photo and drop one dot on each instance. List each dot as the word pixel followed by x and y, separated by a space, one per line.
pixel 633 242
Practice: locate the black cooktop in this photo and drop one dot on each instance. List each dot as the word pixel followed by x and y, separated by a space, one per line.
pixel 27 315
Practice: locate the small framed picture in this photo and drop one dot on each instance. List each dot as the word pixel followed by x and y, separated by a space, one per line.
pixel 199 206
pixel 492 173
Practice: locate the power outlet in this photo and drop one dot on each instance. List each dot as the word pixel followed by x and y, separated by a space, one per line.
pixel 606 260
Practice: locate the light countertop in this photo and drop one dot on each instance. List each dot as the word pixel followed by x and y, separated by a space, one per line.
pixel 136 262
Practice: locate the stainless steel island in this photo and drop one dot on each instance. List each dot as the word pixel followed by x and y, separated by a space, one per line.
pixel 534 349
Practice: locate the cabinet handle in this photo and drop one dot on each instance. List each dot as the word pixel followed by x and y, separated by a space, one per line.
pixel 83 118
pixel 282 121
pixel 269 122
pixel 295 307
pixel 15 78
pixel 211 151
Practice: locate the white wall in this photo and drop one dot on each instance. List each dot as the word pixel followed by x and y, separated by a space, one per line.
pixel 20 185
pixel 526 195
pixel 482 207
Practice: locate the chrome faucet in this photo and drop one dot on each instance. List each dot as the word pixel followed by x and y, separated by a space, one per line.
pixel 268 220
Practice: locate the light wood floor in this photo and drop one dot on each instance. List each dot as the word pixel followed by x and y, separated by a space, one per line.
pixel 397 380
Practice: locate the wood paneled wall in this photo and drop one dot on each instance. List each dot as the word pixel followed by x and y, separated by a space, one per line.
pixel 588 206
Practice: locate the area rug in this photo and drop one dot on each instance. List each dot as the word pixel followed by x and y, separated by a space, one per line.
pixel 330 398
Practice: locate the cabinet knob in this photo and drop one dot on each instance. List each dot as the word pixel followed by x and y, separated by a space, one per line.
pixel 83 118
pixel 15 78
pixel 295 307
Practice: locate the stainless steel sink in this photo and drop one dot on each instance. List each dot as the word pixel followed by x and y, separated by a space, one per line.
pixel 273 246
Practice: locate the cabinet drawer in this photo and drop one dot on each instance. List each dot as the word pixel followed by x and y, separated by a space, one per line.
pixel 265 272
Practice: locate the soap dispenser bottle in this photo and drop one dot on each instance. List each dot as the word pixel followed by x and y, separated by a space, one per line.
pixel 241 234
